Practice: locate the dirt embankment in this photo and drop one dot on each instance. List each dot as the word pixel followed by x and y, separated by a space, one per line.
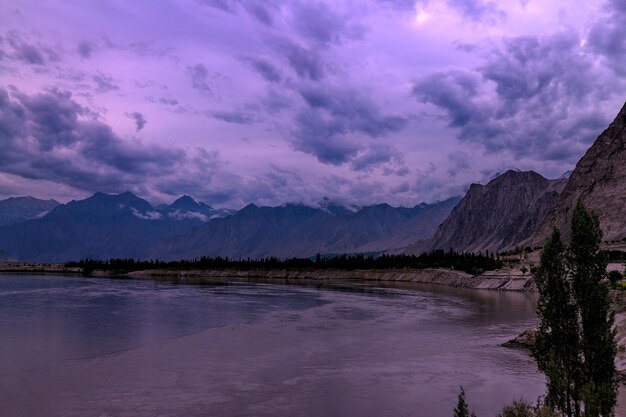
pixel 505 279
pixel 508 280
pixel 36 268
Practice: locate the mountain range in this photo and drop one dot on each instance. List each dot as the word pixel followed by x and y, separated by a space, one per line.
pixel 125 226
pixel 516 208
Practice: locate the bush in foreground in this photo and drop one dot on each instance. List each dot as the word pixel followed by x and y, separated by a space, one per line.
pixel 521 408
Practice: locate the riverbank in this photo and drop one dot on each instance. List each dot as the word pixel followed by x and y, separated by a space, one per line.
pixel 37 268
pixel 493 280
pixel 503 280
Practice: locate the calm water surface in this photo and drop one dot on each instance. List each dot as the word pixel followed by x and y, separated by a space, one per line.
pixel 96 347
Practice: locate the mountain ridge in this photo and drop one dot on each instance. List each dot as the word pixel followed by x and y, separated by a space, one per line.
pixel 599 179
pixel 124 225
pixel 497 215
pixel 19 209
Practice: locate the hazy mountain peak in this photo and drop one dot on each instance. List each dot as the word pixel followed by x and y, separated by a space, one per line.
pixel 249 208
pixel 19 209
pixel 185 202
pixel 336 208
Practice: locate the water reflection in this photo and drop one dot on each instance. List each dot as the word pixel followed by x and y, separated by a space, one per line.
pixel 84 347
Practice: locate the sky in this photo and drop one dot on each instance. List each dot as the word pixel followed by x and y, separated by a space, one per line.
pixel 271 102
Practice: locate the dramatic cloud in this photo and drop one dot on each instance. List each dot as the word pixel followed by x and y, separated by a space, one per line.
pixel 265 68
pixel 85 49
pixel 49 136
pixel 396 101
pixel 200 79
pixel 237 117
pixel 140 121
pixel 104 83
pixel 29 52
pixel 534 96
pixel 608 35
pixel 477 9
pixel 327 127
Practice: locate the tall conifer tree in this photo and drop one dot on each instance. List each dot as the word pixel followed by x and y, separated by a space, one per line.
pixel 587 265
pixel 576 342
pixel 558 341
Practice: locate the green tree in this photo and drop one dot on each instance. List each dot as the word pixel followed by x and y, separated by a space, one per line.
pixel 615 277
pixel 557 349
pixel 576 342
pixel 462 409
pixel 587 265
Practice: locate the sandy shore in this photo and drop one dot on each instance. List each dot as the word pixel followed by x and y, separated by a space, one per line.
pixel 495 280
pixel 506 279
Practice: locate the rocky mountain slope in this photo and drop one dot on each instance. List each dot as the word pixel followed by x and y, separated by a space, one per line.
pixel 496 216
pixel 600 180
pixel 301 231
pixel 19 209
pixel 126 226
pixel 99 227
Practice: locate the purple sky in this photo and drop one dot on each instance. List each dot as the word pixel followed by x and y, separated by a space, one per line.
pixel 235 101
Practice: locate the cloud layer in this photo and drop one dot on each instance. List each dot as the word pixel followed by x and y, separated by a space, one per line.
pixel 271 102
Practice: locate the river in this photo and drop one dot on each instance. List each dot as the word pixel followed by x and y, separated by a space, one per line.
pixel 83 347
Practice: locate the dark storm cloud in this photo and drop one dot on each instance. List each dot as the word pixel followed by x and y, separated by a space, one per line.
pixel 104 83
pixel 374 156
pixel 531 97
pixel 608 35
pixel 402 5
pixel 200 79
pixel 85 49
pixel 318 22
pixel 330 126
pixel 237 117
pixel 265 68
pixel 323 138
pixel 352 110
pixel 452 90
pixel 140 120
pixel 262 11
pixel 49 136
pixel 168 101
pixel 225 5
pixel 476 9
pixel 305 61
pixel 29 52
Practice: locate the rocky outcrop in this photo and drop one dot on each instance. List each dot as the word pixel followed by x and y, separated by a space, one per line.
pixel 19 209
pixel 599 179
pixel 496 216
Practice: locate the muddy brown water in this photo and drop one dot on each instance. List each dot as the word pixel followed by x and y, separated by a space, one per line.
pixel 108 347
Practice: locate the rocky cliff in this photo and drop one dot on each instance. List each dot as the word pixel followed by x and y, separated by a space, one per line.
pixel 600 180
pixel 19 209
pixel 496 216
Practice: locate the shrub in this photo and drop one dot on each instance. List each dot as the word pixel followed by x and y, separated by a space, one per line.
pixel 521 408
pixel 615 277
